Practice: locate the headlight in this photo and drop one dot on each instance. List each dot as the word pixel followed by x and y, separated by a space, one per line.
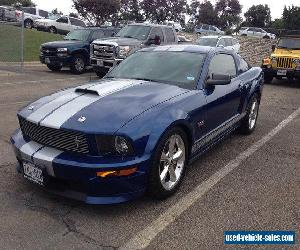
pixel 124 51
pixel 117 145
pixel 297 61
pixel 62 51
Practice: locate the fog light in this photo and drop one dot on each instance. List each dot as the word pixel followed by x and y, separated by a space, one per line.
pixel 123 172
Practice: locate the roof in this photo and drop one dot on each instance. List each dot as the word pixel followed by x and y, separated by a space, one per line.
pixel 183 48
pixel 98 28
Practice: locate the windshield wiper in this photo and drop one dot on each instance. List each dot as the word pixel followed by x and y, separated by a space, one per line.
pixel 129 37
pixel 143 79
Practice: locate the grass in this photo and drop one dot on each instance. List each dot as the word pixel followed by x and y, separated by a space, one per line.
pixel 10 43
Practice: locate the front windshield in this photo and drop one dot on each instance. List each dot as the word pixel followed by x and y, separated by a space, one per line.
pixel 289 43
pixel 174 68
pixel 53 17
pixel 80 35
pixel 139 32
pixel 211 42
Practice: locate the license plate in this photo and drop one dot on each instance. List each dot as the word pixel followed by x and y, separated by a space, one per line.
pixel 281 72
pixel 33 173
pixel 100 63
pixel 47 60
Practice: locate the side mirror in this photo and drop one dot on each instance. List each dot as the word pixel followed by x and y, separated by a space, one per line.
pixel 154 39
pixel 218 80
pixel 273 47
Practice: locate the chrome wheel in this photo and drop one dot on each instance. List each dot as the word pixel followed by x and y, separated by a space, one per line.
pixel 253 114
pixel 79 64
pixel 172 162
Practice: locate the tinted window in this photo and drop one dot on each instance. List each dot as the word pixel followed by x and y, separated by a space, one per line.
pixel 170 36
pixel 289 43
pixel 31 11
pixel 222 64
pixel 243 65
pixel 98 34
pixel 205 27
pixel 158 32
pixel 77 22
pixel 251 29
pixel 228 42
pixel 213 28
pixel 62 20
pixel 174 68
pixel 44 13
pixel 257 30
pixel 110 32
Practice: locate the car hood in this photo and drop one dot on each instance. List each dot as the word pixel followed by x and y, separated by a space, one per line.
pixel 100 107
pixel 64 44
pixel 119 40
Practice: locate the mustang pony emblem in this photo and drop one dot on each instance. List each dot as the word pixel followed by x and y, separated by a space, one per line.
pixel 77 142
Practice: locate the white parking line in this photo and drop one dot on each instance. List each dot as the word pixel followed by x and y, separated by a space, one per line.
pixel 145 237
pixel 45 80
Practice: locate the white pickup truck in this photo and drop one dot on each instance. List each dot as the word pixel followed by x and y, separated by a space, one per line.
pixel 30 15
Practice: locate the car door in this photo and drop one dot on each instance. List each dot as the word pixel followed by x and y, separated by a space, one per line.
pixel 62 25
pixel 223 101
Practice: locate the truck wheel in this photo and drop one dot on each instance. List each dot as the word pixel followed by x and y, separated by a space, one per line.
pixel 54 68
pixel 78 65
pixel 248 123
pixel 28 24
pixel 52 30
pixel 268 78
pixel 169 164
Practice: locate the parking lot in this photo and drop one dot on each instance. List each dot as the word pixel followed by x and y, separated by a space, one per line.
pixel 244 183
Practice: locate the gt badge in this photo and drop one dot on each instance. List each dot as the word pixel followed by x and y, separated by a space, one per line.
pixel 81 119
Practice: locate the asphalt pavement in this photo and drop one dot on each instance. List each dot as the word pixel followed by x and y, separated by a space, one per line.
pixel 259 188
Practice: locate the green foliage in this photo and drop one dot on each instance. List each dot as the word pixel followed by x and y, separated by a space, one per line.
pixel 258 16
pixel 228 13
pixel 24 3
pixel 291 17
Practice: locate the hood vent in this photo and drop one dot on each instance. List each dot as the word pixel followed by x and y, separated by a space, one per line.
pixel 86 91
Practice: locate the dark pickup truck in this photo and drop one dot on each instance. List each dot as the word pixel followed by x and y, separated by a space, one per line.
pixel 107 53
pixel 74 50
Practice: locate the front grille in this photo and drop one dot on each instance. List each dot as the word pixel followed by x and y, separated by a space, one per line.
pixel 284 62
pixel 56 138
pixel 48 51
pixel 104 51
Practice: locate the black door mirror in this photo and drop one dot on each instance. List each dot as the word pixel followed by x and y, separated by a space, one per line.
pixel 218 80
pixel 273 47
pixel 154 39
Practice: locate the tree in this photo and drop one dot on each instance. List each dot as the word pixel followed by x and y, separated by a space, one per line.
pixel 258 16
pixel 130 11
pixel 97 11
pixel 291 17
pixel 56 12
pixel 17 3
pixel 228 13
pixel 207 13
pixel 193 11
pixel 160 10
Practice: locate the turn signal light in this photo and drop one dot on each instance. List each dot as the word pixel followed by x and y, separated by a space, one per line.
pixel 123 172
pixel 266 61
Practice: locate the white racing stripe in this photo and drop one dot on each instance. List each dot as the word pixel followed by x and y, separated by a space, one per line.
pixel 28 149
pixel 45 157
pixel 59 116
pixel 143 238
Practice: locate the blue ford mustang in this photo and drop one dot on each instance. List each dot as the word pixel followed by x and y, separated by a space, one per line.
pixel 136 130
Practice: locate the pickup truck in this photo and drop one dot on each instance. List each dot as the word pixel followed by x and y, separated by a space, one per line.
pixel 30 15
pixel 107 53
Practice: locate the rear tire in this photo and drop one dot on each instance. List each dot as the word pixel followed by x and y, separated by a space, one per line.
pixel 28 24
pixel 54 68
pixel 78 65
pixel 248 123
pixel 168 164
pixel 266 37
pixel 52 30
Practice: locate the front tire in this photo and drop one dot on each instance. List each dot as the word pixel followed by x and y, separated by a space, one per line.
pixel 168 165
pixel 52 30
pixel 78 65
pixel 28 24
pixel 54 68
pixel 248 123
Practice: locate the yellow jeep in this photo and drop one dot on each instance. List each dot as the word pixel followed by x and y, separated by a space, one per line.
pixel 284 60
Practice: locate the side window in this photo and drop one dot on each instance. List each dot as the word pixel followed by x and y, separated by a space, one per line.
pixel 205 27
pixel 62 20
pixel 77 22
pixel 158 32
pixel 243 65
pixel 251 29
pixel 98 34
pixel 221 42
pixel 170 37
pixel 44 13
pixel 213 28
pixel 222 64
pixel 31 11
pixel 228 42
pixel 110 32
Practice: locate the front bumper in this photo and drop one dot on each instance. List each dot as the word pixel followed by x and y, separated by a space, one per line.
pixel 275 72
pixel 101 63
pixel 65 61
pixel 74 176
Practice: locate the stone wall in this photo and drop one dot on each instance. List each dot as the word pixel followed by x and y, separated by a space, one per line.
pixel 252 49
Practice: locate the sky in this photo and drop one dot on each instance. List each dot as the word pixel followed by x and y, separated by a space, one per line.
pixel 276 6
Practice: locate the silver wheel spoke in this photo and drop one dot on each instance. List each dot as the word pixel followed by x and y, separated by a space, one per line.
pixel 178 155
pixel 172 146
pixel 164 173
pixel 172 173
pixel 164 157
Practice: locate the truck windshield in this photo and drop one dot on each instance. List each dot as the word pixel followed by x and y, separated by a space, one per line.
pixel 289 43
pixel 174 68
pixel 80 35
pixel 139 32
pixel 212 42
